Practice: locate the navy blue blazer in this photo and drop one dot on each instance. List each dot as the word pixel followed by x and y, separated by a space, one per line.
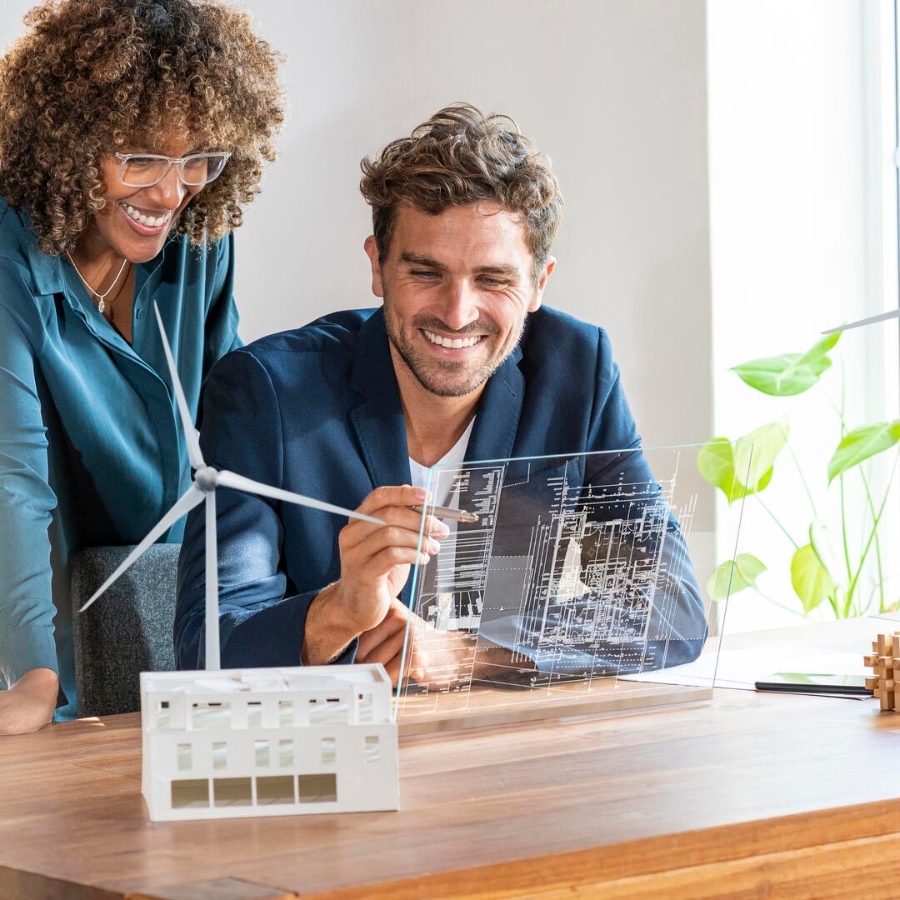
pixel 317 411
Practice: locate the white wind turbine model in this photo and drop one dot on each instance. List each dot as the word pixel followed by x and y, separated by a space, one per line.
pixel 871 320
pixel 205 481
pixel 207 738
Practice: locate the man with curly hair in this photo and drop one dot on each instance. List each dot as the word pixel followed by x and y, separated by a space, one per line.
pixel 132 133
pixel 462 361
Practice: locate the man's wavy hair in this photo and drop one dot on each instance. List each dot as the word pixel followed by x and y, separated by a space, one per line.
pixel 458 157
pixel 89 77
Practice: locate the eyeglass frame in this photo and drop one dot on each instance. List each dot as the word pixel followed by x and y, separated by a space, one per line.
pixel 125 158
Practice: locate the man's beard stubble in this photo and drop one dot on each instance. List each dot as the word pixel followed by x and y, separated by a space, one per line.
pixel 434 376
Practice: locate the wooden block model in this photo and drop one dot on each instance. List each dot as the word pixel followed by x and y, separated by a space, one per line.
pixel 885 650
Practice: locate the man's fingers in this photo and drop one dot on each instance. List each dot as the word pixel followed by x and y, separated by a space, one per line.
pixel 384 651
pixel 395 506
pixel 386 547
pixel 404 497
pixel 376 559
pixel 371 640
pixel 394 621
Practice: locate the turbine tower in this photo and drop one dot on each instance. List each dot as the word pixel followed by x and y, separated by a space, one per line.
pixel 205 480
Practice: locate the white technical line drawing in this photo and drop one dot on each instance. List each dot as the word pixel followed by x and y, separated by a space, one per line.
pixel 590 584
pixel 253 742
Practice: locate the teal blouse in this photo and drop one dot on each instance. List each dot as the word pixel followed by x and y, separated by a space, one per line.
pixel 91 452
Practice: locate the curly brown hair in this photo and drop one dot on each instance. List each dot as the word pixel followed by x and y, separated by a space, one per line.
pixel 88 77
pixel 458 157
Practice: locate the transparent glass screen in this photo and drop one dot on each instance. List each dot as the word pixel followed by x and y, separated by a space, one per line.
pixel 582 584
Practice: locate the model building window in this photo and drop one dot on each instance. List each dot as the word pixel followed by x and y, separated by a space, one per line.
pixel 220 755
pixel 193 792
pixel 163 715
pixel 317 788
pixel 330 713
pixel 232 791
pixel 184 758
pixel 211 716
pixel 329 751
pixel 271 789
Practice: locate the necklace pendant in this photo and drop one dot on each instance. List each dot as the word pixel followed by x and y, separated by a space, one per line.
pixel 101 298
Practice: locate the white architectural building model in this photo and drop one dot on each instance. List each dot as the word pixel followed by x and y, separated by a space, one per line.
pixel 268 742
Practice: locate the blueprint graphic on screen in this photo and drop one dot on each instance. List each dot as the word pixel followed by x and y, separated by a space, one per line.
pixel 576 570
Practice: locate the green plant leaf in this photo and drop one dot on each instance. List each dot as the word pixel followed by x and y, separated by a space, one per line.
pixel 821 540
pixel 821 347
pixel 811 580
pixel 862 444
pixel 734 575
pixel 790 373
pixel 715 462
pixel 735 466
pixel 767 442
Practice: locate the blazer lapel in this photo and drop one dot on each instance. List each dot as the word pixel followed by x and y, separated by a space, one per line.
pixel 378 420
pixel 497 419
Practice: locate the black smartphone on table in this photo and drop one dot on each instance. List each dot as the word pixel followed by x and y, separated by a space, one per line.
pixel 808 683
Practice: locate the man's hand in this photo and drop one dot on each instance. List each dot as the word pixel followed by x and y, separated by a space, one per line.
pixel 438 660
pixel 29 704
pixel 375 563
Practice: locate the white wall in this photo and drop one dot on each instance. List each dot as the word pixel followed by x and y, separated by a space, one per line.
pixel 613 90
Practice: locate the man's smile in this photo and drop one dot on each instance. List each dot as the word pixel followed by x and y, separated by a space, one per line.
pixel 452 343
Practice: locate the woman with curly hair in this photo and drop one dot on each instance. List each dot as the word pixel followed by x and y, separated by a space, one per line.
pixel 132 132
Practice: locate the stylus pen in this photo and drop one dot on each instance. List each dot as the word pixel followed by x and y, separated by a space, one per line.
pixel 444 512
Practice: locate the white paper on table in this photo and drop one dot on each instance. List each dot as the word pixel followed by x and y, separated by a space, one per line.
pixel 743 668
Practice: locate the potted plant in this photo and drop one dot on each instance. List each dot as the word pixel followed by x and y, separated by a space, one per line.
pixel 830 557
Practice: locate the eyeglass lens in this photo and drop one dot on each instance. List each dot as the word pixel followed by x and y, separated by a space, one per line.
pixel 195 170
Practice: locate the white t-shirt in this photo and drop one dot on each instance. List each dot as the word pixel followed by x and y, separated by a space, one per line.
pixel 456 454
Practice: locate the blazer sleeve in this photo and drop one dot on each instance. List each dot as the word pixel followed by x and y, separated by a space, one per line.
pixel 677 627
pixel 26 498
pixel 667 610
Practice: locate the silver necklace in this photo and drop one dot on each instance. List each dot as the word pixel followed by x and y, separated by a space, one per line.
pixel 101 305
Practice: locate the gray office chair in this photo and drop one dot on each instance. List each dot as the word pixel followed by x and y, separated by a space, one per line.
pixel 127 631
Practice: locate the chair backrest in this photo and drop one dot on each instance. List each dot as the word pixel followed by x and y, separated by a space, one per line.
pixel 127 631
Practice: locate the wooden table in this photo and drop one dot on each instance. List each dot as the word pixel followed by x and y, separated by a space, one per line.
pixel 727 799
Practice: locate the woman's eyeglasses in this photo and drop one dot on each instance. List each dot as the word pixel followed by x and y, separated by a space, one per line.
pixel 142 170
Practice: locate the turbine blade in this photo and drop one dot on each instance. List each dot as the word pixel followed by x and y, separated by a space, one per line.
pixel 238 482
pixel 190 433
pixel 184 504
pixel 881 317
pixel 211 629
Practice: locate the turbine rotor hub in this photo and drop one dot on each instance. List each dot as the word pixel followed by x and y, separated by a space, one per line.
pixel 205 478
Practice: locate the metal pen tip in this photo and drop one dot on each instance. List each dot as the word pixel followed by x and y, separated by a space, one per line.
pixel 444 512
